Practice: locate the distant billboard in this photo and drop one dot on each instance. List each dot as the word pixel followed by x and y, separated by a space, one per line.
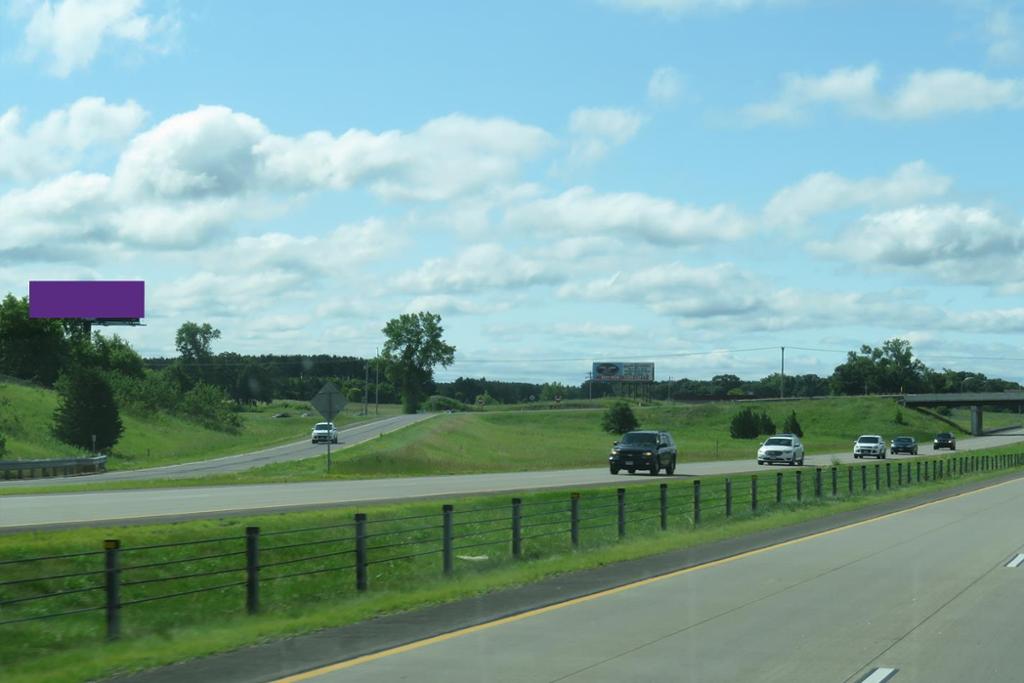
pixel 87 299
pixel 623 372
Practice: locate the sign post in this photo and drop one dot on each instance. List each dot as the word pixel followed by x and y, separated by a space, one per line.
pixel 328 401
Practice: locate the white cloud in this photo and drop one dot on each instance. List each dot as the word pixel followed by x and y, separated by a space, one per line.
pixel 596 130
pixel 447 304
pixel 950 238
pixel 482 266
pixel 57 141
pixel 665 85
pixel 71 32
pixel 447 157
pixel 826 192
pixel 922 95
pixel 1006 43
pixel 583 211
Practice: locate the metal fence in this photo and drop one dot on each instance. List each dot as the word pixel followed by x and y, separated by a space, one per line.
pixel 52 467
pixel 298 565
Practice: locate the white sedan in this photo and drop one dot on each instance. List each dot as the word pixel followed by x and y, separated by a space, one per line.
pixel 786 449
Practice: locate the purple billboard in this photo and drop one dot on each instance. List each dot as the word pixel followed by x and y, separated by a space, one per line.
pixel 88 299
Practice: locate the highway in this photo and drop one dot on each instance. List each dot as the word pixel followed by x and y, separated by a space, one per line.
pixel 922 595
pixel 156 504
pixel 299 450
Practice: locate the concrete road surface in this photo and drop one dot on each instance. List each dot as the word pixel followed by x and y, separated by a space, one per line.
pixel 45 510
pixel 925 592
pixel 299 450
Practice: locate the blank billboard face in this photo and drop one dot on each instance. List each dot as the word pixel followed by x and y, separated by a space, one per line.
pixel 91 299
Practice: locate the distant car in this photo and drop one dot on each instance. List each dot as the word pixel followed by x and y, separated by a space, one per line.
pixel 944 440
pixel 644 450
pixel 324 432
pixel 903 444
pixel 869 444
pixel 786 449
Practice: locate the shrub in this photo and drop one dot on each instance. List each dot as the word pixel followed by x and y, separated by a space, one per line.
pixel 3 444
pixel 86 407
pixel 792 425
pixel 439 403
pixel 619 418
pixel 899 417
pixel 209 406
pixel 747 424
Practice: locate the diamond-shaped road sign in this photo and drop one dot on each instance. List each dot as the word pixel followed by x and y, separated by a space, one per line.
pixel 329 401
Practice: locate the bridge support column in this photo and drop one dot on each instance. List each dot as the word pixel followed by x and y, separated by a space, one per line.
pixel 976 424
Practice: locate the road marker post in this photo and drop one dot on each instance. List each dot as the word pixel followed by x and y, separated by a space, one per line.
pixel 360 520
pixel 252 569
pixel 446 538
pixel 621 495
pixel 112 587
pixel 574 517
pixel 517 528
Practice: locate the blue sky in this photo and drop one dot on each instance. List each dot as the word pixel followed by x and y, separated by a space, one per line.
pixel 578 180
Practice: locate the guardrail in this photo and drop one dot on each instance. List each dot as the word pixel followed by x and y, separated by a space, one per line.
pixel 296 567
pixel 52 467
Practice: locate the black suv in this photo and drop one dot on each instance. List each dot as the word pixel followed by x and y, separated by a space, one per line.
pixel 944 440
pixel 644 450
pixel 903 444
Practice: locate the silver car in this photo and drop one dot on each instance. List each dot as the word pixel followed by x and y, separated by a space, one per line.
pixel 784 449
pixel 869 444
pixel 324 432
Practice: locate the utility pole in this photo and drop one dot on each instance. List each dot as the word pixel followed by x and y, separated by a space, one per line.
pixel 376 384
pixel 782 375
pixel 366 390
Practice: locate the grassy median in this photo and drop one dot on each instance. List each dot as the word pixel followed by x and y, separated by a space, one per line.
pixel 404 570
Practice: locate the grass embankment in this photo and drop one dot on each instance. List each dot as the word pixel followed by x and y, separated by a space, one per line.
pixel 72 648
pixel 26 415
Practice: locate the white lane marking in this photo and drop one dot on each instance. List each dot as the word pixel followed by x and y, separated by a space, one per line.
pixel 879 675
pixel 1015 562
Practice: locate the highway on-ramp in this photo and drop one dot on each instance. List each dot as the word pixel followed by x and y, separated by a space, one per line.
pixel 299 450
pixel 155 504
pixel 922 595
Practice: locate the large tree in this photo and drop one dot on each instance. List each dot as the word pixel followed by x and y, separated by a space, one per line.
pixel 195 353
pixel 30 348
pixel 414 346
pixel 85 408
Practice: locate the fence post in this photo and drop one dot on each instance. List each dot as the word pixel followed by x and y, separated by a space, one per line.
pixel 728 497
pixel 835 482
pixel 849 478
pixel 446 538
pixel 878 476
pixel 799 485
pixel 574 518
pixel 778 488
pixel 517 527
pixel 663 505
pixel 942 468
pixel 899 474
pixel 696 502
pixel 888 475
pixel 918 468
pixel 361 551
pixel 753 493
pixel 621 493
pixel 863 478
pixel 252 569
pixel 112 583
pixel 817 482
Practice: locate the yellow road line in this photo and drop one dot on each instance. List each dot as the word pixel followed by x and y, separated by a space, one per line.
pixel 364 659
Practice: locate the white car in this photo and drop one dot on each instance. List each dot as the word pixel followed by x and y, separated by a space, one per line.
pixel 783 448
pixel 869 444
pixel 324 432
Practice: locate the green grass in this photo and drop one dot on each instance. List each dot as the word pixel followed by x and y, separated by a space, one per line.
pixel 26 414
pixel 67 649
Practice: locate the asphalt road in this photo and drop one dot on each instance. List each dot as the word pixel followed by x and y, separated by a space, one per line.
pixel 925 592
pixel 299 450
pixel 54 509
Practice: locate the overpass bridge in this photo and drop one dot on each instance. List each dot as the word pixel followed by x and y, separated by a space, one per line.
pixel 974 400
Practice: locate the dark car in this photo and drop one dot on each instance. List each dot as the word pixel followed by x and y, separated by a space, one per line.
pixel 644 450
pixel 944 440
pixel 903 444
